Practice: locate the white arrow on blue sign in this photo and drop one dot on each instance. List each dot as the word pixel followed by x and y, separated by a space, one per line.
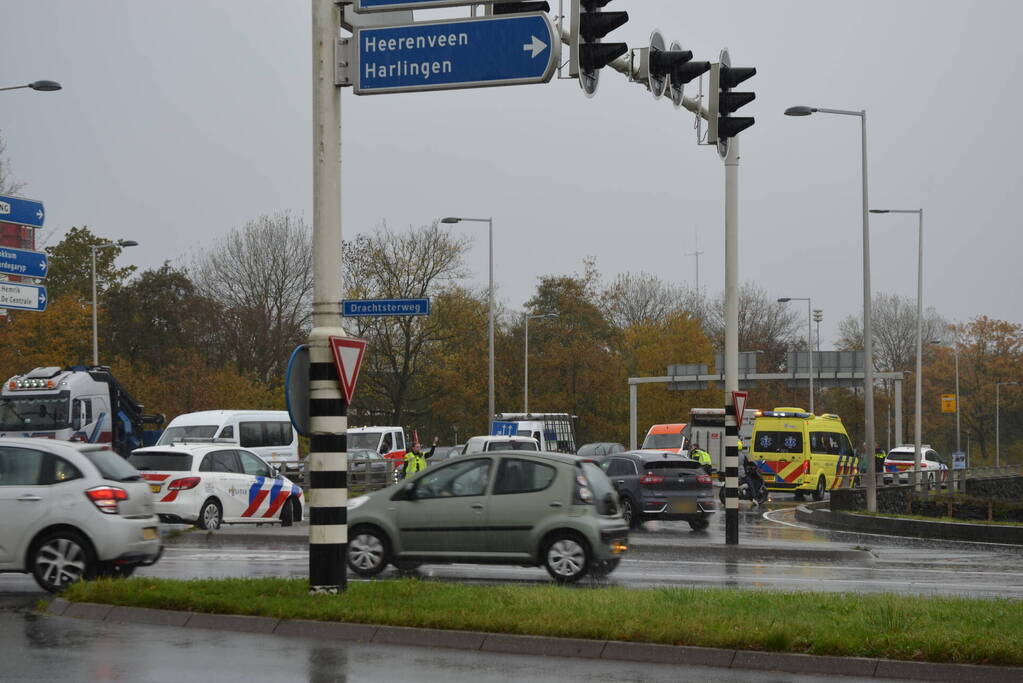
pixel 22 262
pixel 22 297
pixel 28 212
pixel 478 52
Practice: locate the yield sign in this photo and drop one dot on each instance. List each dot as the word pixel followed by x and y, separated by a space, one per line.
pixel 347 357
pixel 739 403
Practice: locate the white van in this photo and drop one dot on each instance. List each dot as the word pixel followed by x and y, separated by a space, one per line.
pixel 268 433
pixel 485 444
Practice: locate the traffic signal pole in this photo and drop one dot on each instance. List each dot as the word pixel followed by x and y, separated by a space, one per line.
pixel 327 463
pixel 732 421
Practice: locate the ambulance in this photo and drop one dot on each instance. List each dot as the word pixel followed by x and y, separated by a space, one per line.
pixel 803 453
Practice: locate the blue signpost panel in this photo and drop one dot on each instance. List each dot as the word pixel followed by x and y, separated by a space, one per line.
pixel 22 262
pixel 22 297
pixel 464 53
pixel 387 5
pixel 26 212
pixel 377 308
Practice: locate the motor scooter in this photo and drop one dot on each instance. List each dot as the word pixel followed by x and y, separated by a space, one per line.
pixel 751 484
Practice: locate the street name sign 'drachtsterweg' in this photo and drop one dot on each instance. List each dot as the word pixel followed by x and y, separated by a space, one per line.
pixel 478 52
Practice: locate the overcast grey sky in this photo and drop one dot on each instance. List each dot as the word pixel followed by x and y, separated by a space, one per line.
pixel 180 120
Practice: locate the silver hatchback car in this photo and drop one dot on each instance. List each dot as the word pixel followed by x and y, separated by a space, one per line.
pixel 507 507
pixel 70 511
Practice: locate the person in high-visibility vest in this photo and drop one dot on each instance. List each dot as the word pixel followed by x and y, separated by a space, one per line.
pixel 701 456
pixel 415 461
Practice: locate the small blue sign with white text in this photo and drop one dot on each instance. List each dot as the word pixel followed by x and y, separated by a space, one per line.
pixel 373 308
pixel 26 212
pixel 22 262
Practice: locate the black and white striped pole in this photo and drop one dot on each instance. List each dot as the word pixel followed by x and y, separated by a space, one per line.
pixel 327 463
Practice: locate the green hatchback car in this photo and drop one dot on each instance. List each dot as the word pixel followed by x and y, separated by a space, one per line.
pixel 507 507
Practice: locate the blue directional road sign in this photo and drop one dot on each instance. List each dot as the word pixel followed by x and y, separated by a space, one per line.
pixel 478 52
pixel 21 211
pixel 376 308
pixel 23 297
pixel 21 262
pixel 389 5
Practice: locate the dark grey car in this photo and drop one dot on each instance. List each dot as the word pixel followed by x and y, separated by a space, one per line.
pixel 599 449
pixel 660 486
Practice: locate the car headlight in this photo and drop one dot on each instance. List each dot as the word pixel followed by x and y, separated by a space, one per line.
pixel 356 502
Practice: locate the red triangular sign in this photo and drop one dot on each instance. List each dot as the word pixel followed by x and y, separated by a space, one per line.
pixel 347 357
pixel 739 403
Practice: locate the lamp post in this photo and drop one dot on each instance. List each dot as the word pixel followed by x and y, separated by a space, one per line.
pixel 490 325
pixel 998 436
pixel 525 364
pixel 917 438
pixel 94 248
pixel 809 337
pixel 955 353
pixel 42 86
pixel 868 342
pixel 818 316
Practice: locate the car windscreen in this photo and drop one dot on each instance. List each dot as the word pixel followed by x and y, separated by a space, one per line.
pixel 661 465
pixel 663 441
pixel 112 466
pixel 778 442
pixel 19 413
pixel 172 434
pixel 368 440
pixel 161 461
pixel 903 457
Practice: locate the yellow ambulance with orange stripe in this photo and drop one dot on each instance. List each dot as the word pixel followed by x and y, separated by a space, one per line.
pixel 803 453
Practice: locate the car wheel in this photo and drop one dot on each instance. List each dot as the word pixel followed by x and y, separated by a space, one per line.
pixel 818 493
pixel 367 551
pixel 699 524
pixel 112 570
pixel 60 558
pixel 629 513
pixel 566 557
pixel 210 515
pixel 288 513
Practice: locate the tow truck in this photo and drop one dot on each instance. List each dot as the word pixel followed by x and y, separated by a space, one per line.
pixel 78 403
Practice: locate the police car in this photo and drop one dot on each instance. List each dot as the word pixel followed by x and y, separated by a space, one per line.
pixel 900 461
pixel 210 484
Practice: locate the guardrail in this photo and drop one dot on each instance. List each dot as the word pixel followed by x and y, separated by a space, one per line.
pixel 929 480
pixel 364 477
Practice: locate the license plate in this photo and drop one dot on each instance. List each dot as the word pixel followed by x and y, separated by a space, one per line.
pixel 683 505
pixel 149 533
pixel 155 488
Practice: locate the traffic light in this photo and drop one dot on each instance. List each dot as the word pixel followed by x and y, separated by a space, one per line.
pixel 657 63
pixel 683 71
pixel 517 7
pixel 723 102
pixel 590 23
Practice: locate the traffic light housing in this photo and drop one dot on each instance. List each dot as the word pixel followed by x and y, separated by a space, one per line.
pixel 724 101
pixel 657 63
pixel 590 24
pixel 518 7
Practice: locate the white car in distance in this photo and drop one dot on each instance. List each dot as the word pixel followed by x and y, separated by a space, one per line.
pixel 70 511
pixel 209 484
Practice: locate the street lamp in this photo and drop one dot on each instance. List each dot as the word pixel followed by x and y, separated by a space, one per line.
pixel 918 440
pixel 490 231
pixel 868 342
pixel 818 316
pixel 42 86
pixel 525 379
pixel 809 337
pixel 998 436
pixel 94 248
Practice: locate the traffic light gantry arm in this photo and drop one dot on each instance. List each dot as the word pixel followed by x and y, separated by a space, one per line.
pixel 624 66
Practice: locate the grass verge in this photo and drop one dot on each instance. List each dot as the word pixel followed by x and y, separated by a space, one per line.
pixel 937 629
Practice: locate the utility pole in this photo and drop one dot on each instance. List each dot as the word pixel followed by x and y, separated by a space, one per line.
pixel 732 420
pixel 697 254
pixel 327 463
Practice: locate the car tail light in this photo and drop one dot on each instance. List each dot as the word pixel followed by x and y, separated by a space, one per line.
pixel 182 484
pixel 704 479
pixel 583 495
pixel 649 479
pixel 106 497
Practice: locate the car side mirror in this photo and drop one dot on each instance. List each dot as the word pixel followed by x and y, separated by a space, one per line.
pixel 275 470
